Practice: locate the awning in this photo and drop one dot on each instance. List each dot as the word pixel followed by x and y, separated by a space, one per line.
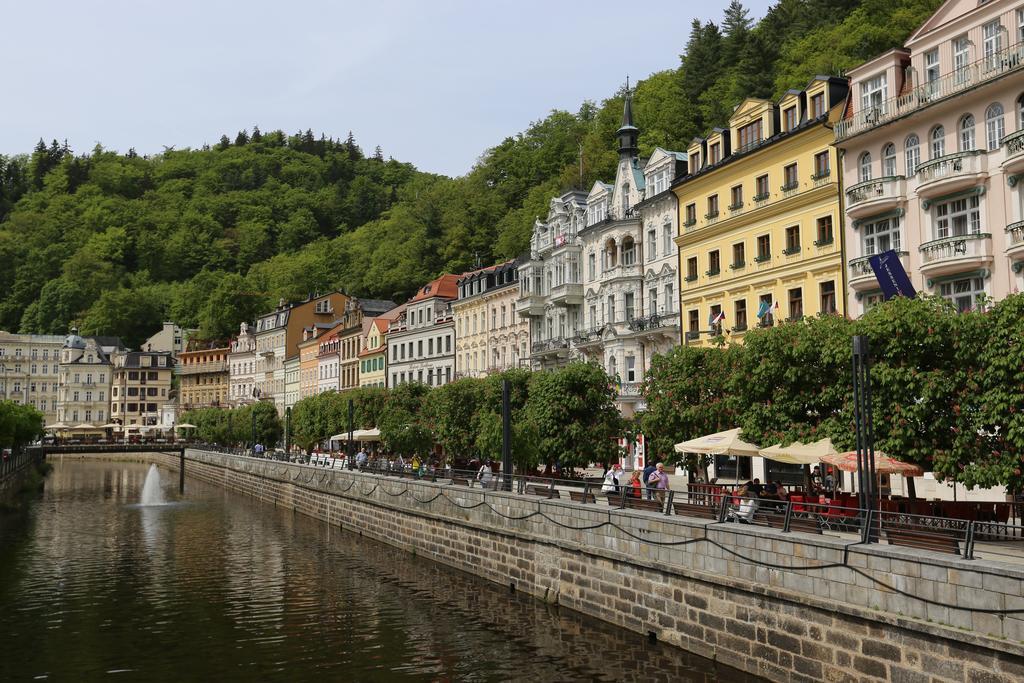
pixel 798 453
pixel 721 443
pixel 359 435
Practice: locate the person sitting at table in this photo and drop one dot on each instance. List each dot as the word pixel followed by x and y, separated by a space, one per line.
pixel 748 504
pixel 775 492
pixel 755 487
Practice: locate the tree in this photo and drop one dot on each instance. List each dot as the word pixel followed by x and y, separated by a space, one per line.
pixel 452 409
pixel 19 424
pixel 404 427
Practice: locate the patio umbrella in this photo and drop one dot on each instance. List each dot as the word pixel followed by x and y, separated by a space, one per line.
pixel 56 426
pixel 185 425
pixel 111 425
pixel 83 427
pixel 883 464
pixel 720 443
pixel 791 454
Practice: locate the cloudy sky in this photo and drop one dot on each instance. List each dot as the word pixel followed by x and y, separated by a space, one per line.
pixel 433 83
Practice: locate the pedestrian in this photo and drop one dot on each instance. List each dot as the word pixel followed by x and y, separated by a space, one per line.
pixel 611 479
pixel 659 479
pixel 645 477
pixel 416 465
pixel 361 459
pixel 485 474
pixel 634 487
pixel 400 464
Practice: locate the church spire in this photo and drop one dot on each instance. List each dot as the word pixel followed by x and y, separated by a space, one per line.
pixel 627 132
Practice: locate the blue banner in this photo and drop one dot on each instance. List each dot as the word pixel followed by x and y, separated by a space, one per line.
pixel 891 276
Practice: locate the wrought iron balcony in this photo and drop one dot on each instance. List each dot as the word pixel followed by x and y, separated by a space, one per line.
pixel 954 254
pixel 862 276
pixel 951 172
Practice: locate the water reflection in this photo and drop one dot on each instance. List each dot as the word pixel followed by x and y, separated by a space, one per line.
pixel 226 588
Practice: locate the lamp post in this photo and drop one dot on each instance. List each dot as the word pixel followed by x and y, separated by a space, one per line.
pixel 351 428
pixel 865 436
pixel 506 435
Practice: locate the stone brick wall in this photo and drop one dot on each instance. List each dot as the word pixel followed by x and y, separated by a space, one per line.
pixel 789 607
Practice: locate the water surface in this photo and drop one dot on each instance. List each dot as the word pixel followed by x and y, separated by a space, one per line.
pixel 218 587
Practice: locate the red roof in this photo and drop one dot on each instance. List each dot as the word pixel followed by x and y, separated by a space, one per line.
pixel 445 287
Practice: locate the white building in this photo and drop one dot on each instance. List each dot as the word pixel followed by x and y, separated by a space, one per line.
pixel 421 343
pixel 242 368
pixel 86 373
pixel 171 338
pixel 29 371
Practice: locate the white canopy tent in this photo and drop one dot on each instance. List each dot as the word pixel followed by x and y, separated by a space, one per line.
pixel 359 435
pixel 720 443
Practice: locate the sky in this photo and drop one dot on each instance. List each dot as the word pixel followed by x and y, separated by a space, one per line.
pixel 433 83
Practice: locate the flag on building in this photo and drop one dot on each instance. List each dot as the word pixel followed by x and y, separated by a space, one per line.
pixel 763 309
pixel 714 318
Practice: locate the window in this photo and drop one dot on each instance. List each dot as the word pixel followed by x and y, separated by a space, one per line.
pixel 694 162
pixel 938 137
pixel 691 269
pixel 994 129
pixel 965 294
pixel 750 135
pixel 630 368
pixel 419 345
pixel 966 137
pixel 666 239
pixel 931 71
pixel 764 248
pixel 764 310
pixel 610 311
pixel 873 93
pixel 652 244
pixel 881 235
pixel 912 153
pixel 889 160
pixel 1020 25
pixel 1020 113
pixel 961 58
pixel 792 240
pixel 694 317
pixel 736 197
pixel 430 347
pixel 628 252
pixel 825 235
pixel 992 43
pixel 714 263
pixel 864 167
pixel 761 185
pixel 652 301
pixel 789 119
pixel 958 217
pixel 821 165
pixel 740 315
pixel 827 294
pixel 448 343
pixel 712 207
pixel 817 105
pixel 670 302
pixel 691 214
pixel 592 266
pixel 796 303
pixel 789 174
pixel 715 319
pixel 715 153
pixel 630 306
pixel 738 256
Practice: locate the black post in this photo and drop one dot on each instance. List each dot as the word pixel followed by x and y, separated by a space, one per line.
pixel 287 433
pixel 506 435
pixel 351 428
pixel 254 431
pixel 865 433
pixel 181 473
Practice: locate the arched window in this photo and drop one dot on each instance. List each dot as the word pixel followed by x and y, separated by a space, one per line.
pixel 966 138
pixel 628 251
pixel 611 254
pixel 889 160
pixel 994 127
pixel 865 166
pixel 938 137
pixel 913 154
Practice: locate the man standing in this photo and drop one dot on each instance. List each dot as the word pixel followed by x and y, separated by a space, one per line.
pixel 659 482
pixel 645 478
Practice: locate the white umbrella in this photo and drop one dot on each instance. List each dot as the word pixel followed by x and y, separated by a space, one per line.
pixel 111 425
pixel 795 453
pixel 57 425
pixel 359 435
pixel 721 443
pixel 83 427
pixel 185 425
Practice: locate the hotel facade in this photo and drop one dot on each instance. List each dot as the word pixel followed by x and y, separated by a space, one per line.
pixel 933 157
pixel 759 215
pixel 489 337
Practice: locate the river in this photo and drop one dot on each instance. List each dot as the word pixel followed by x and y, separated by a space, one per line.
pixel 218 587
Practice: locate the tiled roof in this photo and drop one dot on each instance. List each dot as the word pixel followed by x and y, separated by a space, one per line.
pixel 446 287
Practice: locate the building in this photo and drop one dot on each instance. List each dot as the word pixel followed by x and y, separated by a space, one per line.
pixel 171 338
pixel 933 144
pixel 600 281
pixel 278 334
pixel 86 373
pixel 309 359
pixel 350 337
pixel 203 376
pixel 328 360
pixel 421 341
pixel 242 387
pixel 141 386
pixel 758 213
pixel 29 371
pixel 373 357
pixel 489 337
pixel 291 382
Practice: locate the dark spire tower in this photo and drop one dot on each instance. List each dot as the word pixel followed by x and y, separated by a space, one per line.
pixel 627 132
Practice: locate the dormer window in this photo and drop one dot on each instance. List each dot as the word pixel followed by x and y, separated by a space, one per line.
pixel 789 118
pixel 694 162
pixel 750 135
pixel 817 105
pixel 715 153
pixel 873 92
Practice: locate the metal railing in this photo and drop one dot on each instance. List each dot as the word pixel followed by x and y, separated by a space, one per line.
pixel 12 462
pixel 959 246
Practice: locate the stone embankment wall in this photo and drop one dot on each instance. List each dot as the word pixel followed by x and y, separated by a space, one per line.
pixel 789 607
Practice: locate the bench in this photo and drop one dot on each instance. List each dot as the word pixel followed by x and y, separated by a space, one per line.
pixel 634 503
pixel 545 491
pixel 460 481
pixel 694 510
pixel 778 521
pixel 937 541
pixel 614 498
pixel 582 497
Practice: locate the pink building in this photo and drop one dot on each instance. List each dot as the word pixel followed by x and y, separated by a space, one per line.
pixel 933 157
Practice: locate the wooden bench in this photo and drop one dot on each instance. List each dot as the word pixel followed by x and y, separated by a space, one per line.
pixel 778 521
pixel 694 510
pixel 937 541
pixel 460 481
pixel 634 503
pixel 614 499
pixel 582 497
pixel 545 491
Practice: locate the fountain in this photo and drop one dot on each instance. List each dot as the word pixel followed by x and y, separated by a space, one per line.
pixel 152 494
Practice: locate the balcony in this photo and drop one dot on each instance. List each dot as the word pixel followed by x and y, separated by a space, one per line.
pixel 951 172
pixel 984 70
pixel 529 305
pixel 1015 240
pixel 202 368
pixel 874 196
pixel 664 324
pixel 621 272
pixel 558 346
pixel 567 294
pixel 955 254
pixel 862 277
pixel 630 391
pixel 1013 145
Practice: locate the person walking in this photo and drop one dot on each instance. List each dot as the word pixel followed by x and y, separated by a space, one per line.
pixel 645 478
pixel 485 474
pixel 634 487
pixel 415 465
pixel 659 482
pixel 611 479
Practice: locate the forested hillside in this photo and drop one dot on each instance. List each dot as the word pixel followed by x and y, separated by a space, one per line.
pixel 116 242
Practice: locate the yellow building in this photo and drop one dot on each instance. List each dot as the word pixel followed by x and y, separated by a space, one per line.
pixel 373 357
pixel 760 238
pixel 489 336
pixel 203 377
